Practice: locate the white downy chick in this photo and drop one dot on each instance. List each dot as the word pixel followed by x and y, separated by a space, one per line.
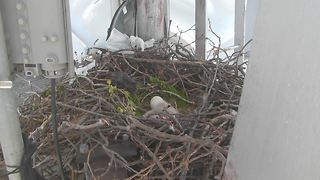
pixel 159 105
pixel 137 43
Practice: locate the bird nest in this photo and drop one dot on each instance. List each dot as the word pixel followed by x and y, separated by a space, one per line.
pixel 103 125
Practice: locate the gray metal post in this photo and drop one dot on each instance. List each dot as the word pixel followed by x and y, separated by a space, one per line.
pixel 151 20
pixel 201 29
pixel 250 21
pixel 239 23
pixel 10 137
pixel 147 19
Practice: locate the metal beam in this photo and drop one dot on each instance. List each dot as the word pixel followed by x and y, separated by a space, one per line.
pixel 277 128
pixel 252 8
pixel 239 23
pixel 200 29
pixel 10 138
pixel 151 21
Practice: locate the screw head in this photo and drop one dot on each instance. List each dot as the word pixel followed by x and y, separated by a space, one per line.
pixel 23 36
pixel 21 21
pixel 19 6
pixel 25 60
pixel 44 38
pixel 53 38
pixel 25 50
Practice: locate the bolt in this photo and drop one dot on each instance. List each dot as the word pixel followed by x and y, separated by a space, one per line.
pixel 44 38
pixel 25 60
pixel 53 38
pixel 21 21
pixel 23 36
pixel 19 6
pixel 25 50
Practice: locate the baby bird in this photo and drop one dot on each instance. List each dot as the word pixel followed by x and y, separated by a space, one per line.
pixel 123 81
pixel 137 43
pixel 119 79
pixel 158 106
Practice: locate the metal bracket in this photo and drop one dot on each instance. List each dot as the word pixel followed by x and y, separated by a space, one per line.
pixel 5 84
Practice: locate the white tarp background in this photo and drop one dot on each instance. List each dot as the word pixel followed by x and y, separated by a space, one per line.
pixel 91 18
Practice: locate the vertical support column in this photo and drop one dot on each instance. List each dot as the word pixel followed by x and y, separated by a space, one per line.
pixel 240 6
pixel 68 34
pixel 252 8
pixel 151 21
pixel 277 128
pixel 239 25
pixel 167 19
pixel 10 138
pixel 200 29
pixel 239 16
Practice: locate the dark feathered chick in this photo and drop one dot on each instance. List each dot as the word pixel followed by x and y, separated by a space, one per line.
pixel 119 79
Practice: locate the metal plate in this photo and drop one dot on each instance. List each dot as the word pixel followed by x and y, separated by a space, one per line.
pixel 38 35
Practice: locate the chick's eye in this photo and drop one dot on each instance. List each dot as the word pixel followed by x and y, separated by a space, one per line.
pixel 168 106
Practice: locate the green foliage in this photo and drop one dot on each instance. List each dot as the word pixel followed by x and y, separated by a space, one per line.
pixel 127 106
pixel 137 97
pixel 165 86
